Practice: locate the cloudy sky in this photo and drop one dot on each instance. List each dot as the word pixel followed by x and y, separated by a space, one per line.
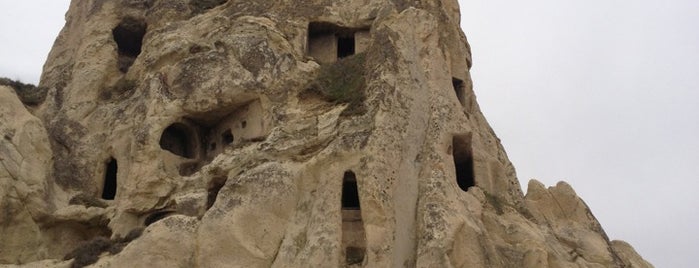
pixel 600 93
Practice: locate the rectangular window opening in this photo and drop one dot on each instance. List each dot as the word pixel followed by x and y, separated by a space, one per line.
pixel 353 235
pixel 460 90
pixel 345 46
pixel 463 161
pixel 110 180
pixel 350 193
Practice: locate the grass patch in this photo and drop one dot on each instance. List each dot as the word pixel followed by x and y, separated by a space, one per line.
pixel 28 93
pixel 89 252
pixel 343 82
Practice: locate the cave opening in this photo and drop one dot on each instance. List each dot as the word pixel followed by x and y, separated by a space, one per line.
pixel 350 193
pixel 353 234
pixel 463 161
pixel 227 136
pixel 328 42
pixel 214 187
pixel 128 35
pixel 178 139
pixel 459 89
pixel 110 180
pixel 345 46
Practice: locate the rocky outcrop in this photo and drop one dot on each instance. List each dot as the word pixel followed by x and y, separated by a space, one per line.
pixel 25 155
pixel 274 134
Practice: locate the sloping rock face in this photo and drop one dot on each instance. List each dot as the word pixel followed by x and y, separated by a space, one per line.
pixel 272 134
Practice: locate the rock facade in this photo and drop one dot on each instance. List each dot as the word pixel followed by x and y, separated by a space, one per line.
pixel 319 133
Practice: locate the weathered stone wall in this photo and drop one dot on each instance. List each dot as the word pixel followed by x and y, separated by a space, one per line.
pixel 264 132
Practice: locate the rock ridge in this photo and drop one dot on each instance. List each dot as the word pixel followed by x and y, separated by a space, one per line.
pixel 272 134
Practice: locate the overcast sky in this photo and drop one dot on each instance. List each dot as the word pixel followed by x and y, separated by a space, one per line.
pixel 602 94
pixel 599 93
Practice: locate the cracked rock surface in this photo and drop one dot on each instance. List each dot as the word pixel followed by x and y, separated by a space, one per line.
pixel 318 133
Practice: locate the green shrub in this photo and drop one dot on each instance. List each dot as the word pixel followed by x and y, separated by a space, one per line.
pixel 29 94
pixel 89 252
pixel 121 242
pixel 343 82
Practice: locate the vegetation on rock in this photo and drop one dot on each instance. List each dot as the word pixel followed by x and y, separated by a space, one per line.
pixel 29 94
pixel 89 252
pixel 343 82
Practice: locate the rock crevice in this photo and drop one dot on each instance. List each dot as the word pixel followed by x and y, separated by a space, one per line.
pixel 272 134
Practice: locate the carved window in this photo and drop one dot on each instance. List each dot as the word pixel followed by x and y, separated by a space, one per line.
pixel 463 161
pixel 128 36
pixel 110 180
pixel 179 140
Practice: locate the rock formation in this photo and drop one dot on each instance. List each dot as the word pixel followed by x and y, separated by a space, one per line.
pixel 212 133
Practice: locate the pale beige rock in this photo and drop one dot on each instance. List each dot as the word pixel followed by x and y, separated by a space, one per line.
pixel 629 255
pixel 170 242
pixel 220 139
pixel 20 236
pixel 25 159
pixel 41 264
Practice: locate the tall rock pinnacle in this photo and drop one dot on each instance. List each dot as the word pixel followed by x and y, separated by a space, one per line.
pixel 213 133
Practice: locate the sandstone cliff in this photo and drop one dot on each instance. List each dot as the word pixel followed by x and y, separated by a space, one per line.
pixel 192 133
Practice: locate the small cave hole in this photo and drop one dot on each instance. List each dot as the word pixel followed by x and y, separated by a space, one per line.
pixel 214 187
pixel 227 136
pixel 110 180
pixel 463 161
pixel 345 46
pixel 350 192
pixel 178 139
pixel 354 255
pixel 353 234
pixel 128 36
pixel 156 216
pixel 459 90
pixel 243 124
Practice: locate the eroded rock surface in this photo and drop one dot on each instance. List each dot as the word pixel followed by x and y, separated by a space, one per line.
pixel 273 134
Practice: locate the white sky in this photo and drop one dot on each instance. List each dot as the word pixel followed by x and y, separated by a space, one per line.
pixel 27 31
pixel 600 93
